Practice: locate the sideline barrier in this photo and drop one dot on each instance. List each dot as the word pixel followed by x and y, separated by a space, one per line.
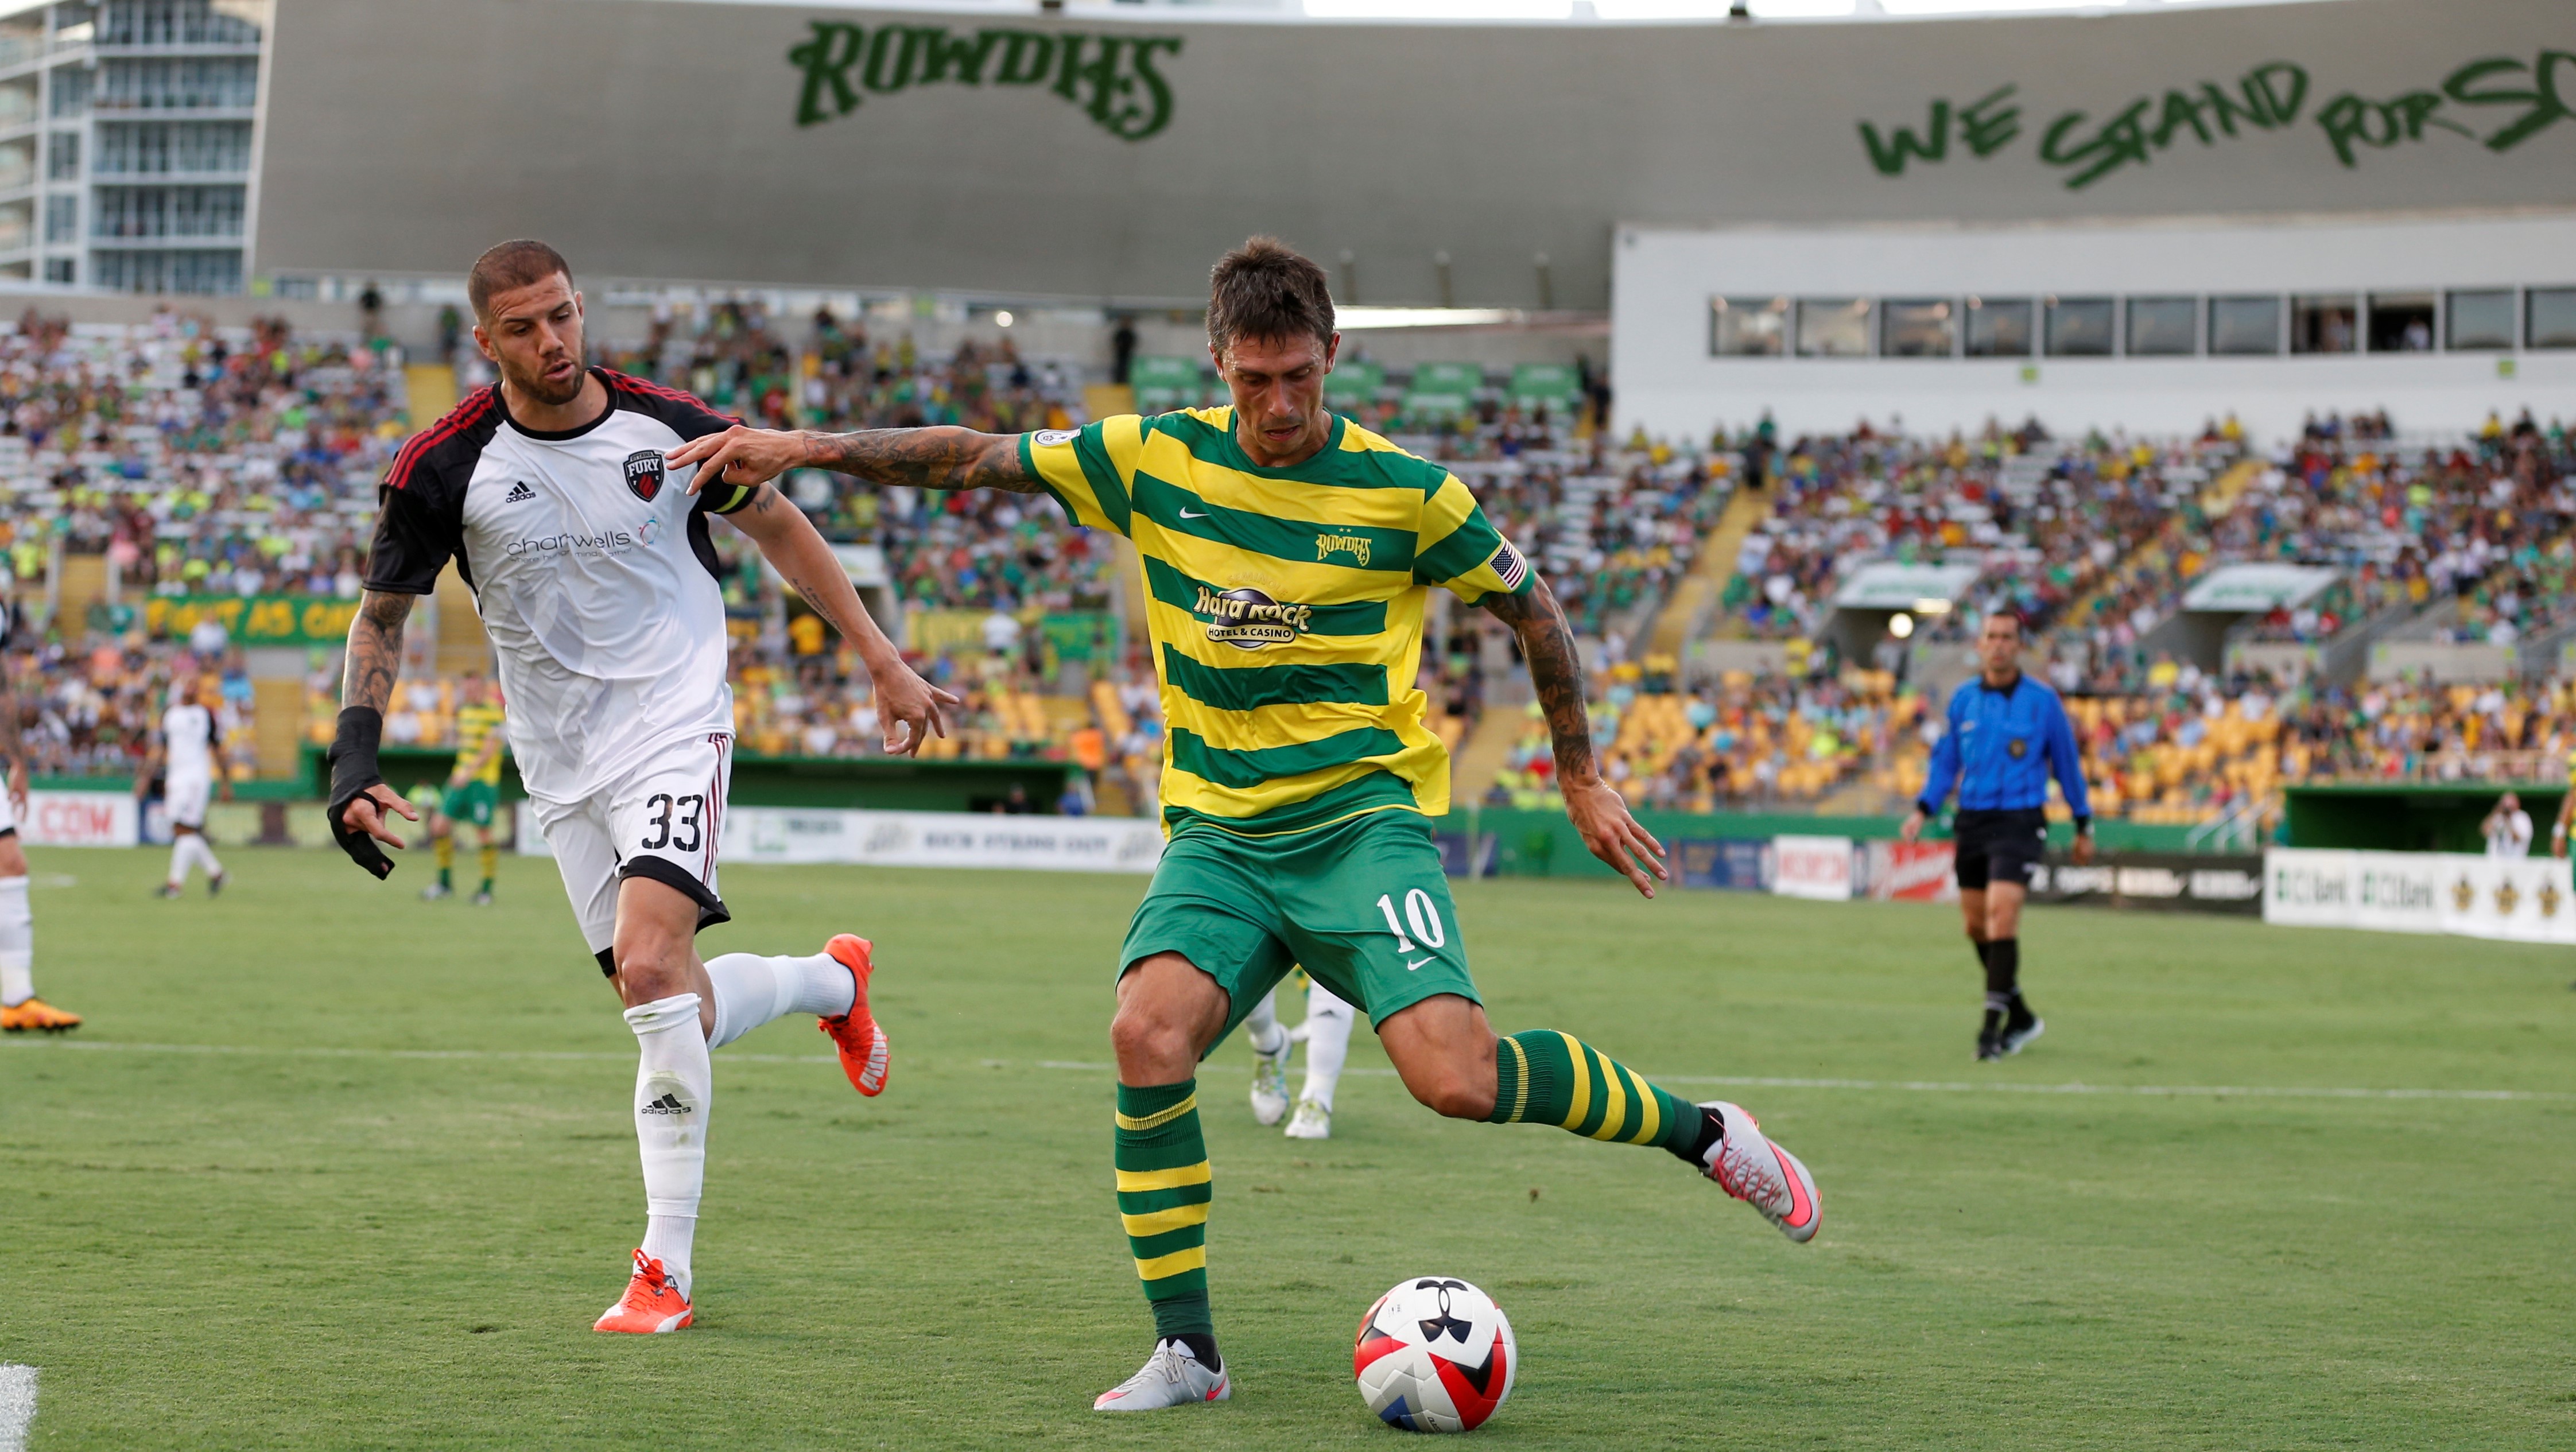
pixel 81 819
pixel 2519 899
pixel 922 839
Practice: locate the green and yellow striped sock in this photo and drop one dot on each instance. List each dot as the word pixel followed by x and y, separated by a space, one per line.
pixel 1163 1195
pixel 1545 1077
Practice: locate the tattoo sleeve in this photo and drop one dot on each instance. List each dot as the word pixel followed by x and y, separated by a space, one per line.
pixel 928 458
pixel 1556 673
pixel 375 650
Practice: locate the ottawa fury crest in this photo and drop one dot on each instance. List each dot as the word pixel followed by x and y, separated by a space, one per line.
pixel 644 473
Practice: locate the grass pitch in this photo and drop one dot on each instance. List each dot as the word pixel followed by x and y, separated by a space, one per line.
pixel 332 1167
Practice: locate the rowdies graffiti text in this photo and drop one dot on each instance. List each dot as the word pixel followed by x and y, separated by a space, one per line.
pixel 1117 80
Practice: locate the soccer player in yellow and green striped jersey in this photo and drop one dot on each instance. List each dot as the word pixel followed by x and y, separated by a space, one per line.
pixel 473 792
pixel 1288 555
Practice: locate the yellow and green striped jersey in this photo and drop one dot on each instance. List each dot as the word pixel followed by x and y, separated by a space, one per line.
pixel 1285 607
pixel 474 724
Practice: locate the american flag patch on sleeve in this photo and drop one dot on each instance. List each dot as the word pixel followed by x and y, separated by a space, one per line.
pixel 1509 567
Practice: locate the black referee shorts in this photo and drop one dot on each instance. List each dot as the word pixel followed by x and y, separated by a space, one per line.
pixel 1999 847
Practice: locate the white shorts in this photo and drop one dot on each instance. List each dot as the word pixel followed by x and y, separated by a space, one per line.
pixel 186 796
pixel 658 821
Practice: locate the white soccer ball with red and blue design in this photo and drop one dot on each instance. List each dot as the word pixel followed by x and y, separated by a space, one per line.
pixel 1435 1355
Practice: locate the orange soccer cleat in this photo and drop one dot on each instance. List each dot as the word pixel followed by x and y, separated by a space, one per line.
pixel 39 1015
pixel 652 1303
pixel 863 1045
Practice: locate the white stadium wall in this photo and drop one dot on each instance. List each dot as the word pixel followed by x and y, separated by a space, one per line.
pixel 1101 159
pixel 1672 382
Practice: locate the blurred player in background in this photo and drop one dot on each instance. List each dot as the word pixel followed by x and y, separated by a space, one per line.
pixel 189 759
pixel 1326 1033
pixel 555 493
pixel 20 1008
pixel 473 794
pixel 1288 555
pixel 2007 734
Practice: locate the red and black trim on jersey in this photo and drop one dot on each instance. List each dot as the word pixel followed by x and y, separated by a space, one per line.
pixel 420 506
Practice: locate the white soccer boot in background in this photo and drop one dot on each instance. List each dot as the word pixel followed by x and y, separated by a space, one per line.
pixel 1312 1121
pixel 1171 1377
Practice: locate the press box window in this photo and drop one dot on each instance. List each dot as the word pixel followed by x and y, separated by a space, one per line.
pixel 1918 328
pixel 2549 318
pixel 2080 327
pixel 2401 322
pixel 1748 327
pixel 2164 327
pixel 2241 327
pixel 1833 327
pixel 1999 327
pixel 2480 321
pixel 2325 324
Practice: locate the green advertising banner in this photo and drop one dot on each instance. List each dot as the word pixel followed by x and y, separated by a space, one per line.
pixel 1358 382
pixel 1553 382
pixel 254 619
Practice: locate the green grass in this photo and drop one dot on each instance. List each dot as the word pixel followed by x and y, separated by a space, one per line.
pixel 339 1238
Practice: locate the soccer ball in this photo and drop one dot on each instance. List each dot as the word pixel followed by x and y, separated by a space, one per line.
pixel 1435 1355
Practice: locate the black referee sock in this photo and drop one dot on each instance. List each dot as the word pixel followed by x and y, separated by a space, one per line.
pixel 2003 967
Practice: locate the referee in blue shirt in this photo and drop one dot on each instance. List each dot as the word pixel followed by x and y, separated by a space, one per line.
pixel 2007 735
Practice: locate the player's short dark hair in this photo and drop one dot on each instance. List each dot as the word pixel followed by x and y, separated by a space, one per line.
pixel 513 264
pixel 1267 289
pixel 2021 627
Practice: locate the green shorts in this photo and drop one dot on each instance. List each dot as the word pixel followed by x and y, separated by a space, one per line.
pixel 1361 904
pixel 473 803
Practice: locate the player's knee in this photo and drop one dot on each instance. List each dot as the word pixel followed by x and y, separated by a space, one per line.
pixel 1454 1094
pixel 647 971
pixel 1150 1042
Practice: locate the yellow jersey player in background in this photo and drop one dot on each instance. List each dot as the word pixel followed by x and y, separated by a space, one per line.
pixel 473 792
pixel 1288 558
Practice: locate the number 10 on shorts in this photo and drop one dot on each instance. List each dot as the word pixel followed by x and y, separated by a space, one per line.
pixel 1420 914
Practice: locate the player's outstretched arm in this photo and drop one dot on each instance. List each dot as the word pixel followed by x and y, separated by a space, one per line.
pixel 359 796
pixel 791 544
pixel 927 458
pixel 1556 673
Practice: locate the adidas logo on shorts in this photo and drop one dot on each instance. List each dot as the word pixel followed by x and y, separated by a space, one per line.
pixel 519 493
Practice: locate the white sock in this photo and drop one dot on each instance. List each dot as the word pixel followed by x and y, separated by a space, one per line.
pixel 674 1085
pixel 180 857
pixel 17 944
pixel 206 855
pixel 1261 1026
pixel 1328 1044
pixel 752 990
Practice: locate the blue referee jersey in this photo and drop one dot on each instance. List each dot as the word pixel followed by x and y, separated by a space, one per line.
pixel 2000 749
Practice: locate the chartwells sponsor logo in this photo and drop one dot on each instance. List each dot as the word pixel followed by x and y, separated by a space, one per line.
pixel 1249 620
pixel 606 542
pixel 1117 80
pixel 1329 545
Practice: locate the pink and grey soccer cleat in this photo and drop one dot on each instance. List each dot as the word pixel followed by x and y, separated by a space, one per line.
pixel 1761 1174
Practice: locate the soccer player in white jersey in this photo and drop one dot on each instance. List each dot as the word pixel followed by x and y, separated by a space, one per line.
pixel 20 1008
pixel 1326 1033
pixel 596 581
pixel 190 760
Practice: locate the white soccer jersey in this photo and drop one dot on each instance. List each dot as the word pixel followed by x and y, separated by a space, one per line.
pixel 188 735
pixel 591 568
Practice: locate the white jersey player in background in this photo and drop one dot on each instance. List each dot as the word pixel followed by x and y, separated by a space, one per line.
pixel 189 757
pixel 594 575
pixel 1326 1033
pixel 20 1008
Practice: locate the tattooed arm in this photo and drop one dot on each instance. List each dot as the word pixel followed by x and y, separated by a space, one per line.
pixel 789 541
pixel 1556 674
pixel 931 458
pixel 367 687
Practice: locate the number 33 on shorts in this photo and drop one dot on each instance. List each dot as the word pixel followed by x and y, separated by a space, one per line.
pixel 1418 930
